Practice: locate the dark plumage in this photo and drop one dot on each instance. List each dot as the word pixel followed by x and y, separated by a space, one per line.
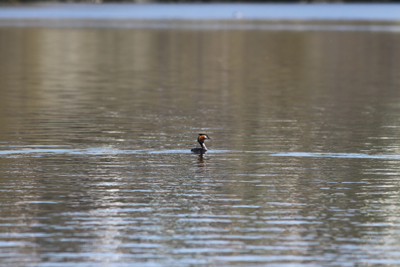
pixel 203 147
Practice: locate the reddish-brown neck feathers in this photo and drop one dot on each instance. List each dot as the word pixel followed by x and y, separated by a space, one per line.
pixel 202 137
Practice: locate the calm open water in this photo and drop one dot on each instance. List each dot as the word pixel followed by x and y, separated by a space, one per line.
pixel 97 123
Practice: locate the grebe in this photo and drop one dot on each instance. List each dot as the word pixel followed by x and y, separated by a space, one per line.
pixel 203 147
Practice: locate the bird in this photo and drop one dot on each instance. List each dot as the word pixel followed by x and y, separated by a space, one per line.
pixel 203 147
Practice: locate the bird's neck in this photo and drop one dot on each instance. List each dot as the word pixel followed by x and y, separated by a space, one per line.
pixel 203 146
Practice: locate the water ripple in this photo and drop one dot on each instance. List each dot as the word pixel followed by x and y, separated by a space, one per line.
pixel 42 150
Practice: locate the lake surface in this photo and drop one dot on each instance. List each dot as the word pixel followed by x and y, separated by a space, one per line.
pixel 97 123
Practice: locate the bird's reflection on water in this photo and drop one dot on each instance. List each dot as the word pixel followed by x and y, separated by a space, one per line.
pixel 201 160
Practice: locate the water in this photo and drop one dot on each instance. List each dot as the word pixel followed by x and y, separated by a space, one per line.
pixel 97 123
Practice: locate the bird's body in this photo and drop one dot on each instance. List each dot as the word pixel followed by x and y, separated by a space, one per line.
pixel 199 150
pixel 203 147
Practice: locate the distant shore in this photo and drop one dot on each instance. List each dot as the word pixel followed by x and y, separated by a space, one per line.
pixel 124 11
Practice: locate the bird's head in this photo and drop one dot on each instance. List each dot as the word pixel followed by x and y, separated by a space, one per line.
pixel 203 137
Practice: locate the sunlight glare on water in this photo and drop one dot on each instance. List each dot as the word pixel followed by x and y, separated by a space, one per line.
pixel 96 127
